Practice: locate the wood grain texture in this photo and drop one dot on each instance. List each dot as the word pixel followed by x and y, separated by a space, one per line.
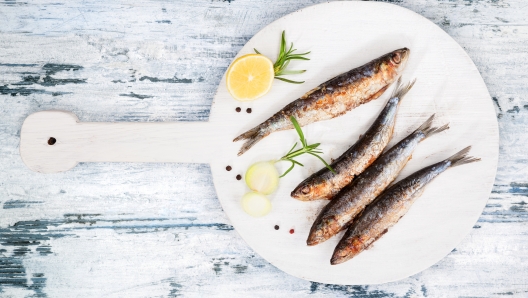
pixel 158 230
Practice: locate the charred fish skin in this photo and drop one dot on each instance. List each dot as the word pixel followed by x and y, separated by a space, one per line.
pixel 333 97
pixel 324 184
pixel 390 206
pixel 353 198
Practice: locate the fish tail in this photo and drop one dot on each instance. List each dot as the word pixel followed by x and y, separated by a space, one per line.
pixel 248 134
pixel 252 136
pixel 428 129
pixel 427 124
pixel 436 130
pixel 397 87
pixel 461 158
pixel 400 90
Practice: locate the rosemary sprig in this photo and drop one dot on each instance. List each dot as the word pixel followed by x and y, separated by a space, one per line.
pixel 284 58
pixel 309 149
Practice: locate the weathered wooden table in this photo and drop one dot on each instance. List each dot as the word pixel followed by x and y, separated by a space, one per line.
pixel 158 230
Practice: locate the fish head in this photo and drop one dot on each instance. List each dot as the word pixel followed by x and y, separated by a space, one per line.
pixel 396 60
pixel 346 249
pixel 323 229
pixel 311 189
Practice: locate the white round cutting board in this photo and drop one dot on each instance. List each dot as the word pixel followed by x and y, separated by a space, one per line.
pixel 342 36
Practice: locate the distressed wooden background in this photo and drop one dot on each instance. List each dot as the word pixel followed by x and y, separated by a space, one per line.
pixel 157 230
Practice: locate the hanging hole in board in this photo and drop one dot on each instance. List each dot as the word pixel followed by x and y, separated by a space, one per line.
pixel 52 141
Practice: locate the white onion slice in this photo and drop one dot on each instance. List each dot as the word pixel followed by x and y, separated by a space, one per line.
pixel 262 177
pixel 256 204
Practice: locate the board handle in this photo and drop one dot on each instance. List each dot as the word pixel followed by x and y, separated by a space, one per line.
pixel 55 141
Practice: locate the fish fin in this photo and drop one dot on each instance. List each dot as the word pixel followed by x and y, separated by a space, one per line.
pixel 375 96
pixel 461 158
pixel 428 130
pixel 401 90
pixel 252 136
pixel 305 96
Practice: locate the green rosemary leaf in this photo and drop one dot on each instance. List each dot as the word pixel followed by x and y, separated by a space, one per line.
pixel 313 146
pixel 288 170
pixel 289 81
pixel 294 145
pixel 321 159
pixel 298 129
pixel 302 54
pixel 291 50
pixel 283 43
pixel 283 59
pixel 296 58
pixel 296 162
pixel 295 154
pixel 257 51
pixel 290 72
pixel 310 149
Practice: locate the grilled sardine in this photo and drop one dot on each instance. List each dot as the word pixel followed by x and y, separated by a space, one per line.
pixel 390 206
pixel 333 97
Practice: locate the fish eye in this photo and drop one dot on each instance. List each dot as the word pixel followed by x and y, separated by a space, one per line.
pixel 396 58
pixel 305 190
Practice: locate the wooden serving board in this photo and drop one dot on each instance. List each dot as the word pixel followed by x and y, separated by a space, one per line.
pixel 340 36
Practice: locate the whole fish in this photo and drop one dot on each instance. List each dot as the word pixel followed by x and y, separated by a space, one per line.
pixel 324 184
pixel 390 206
pixel 334 97
pixel 352 199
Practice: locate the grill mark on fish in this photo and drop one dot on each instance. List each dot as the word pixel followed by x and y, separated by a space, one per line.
pixel 324 184
pixel 352 199
pixel 387 209
pixel 333 97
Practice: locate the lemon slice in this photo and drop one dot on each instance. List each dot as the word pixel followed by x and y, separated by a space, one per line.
pixel 250 77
